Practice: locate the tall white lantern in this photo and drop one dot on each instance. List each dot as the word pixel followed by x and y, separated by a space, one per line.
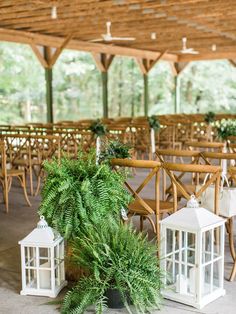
pixel 42 261
pixel 192 251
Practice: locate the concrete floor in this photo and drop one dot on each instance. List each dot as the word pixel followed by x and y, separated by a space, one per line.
pixel 20 221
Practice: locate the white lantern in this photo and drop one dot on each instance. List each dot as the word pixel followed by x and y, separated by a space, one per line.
pixel 192 251
pixel 42 261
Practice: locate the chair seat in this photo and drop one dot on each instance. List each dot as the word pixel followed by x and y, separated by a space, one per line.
pixel 15 172
pixel 136 208
pixel 189 187
pixel 21 162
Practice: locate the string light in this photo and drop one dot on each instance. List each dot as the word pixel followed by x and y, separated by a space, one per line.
pixel 213 47
pixel 153 36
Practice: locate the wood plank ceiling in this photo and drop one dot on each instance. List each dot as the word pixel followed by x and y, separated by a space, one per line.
pixel 203 22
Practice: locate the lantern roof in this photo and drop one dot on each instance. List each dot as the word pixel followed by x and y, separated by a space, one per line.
pixel 192 217
pixel 43 235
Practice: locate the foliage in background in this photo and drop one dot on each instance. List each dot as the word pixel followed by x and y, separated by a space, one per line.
pixel 116 257
pixel 114 149
pixel 209 117
pixel 98 128
pixel 76 189
pixel 78 87
pixel 154 123
pixel 226 128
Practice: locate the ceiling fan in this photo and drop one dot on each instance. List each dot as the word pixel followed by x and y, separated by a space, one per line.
pixel 186 50
pixel 108 36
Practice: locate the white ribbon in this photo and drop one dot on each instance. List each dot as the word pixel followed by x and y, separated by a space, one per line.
pixel 153 143
pixel 98 149
pixel 224 163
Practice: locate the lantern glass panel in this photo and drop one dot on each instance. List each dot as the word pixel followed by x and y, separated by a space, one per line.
pixel 217 242
pixel 207 243
pixel 169 241
pixel 45 257
pixel 217 266
pixel 31 281
pixel 207 286
pixel 30 256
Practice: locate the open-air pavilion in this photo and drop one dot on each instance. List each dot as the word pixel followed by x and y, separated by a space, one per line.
pixel 164 146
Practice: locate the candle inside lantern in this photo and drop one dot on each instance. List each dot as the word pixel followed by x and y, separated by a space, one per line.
pixel 181 284
pixel 45 277
pixel 153 144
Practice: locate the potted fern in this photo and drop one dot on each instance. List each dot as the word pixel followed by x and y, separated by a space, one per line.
pixel 120 263
pixel 77 190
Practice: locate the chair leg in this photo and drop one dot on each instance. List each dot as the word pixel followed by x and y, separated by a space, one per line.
pixel 31 181
pixel 5 187
pixel 231 237
pixel 233 273
pixel 23 184
pixel 141 223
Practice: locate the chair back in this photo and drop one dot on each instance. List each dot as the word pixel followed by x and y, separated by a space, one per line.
pixel 205 146
pixel 214 178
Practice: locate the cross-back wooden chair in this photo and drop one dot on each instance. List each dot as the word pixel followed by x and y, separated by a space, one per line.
pixel 183 157
pixel 214 178
pixel 145 207
pixel 205 146
pixel 44 147
pixel 232 176
pixel 19 154
pixel 6 176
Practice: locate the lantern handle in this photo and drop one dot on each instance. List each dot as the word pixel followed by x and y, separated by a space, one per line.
pixel 193 202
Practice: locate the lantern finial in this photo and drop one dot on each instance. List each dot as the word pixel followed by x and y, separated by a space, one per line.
pixel 42 223
pixel 192 203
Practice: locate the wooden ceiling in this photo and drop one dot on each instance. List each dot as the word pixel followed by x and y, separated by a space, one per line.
pixel 203 22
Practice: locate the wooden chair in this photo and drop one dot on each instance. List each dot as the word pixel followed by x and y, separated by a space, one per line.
pixel 43 148
pixel 205 146
pixel 232 175
pixel 19 154
pixel 6 176
pixel 173 169
pixel 145 208
pixel 180 156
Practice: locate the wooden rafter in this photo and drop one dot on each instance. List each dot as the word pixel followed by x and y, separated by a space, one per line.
pixel 103 61
pixel 49 58
pixel 146 64
pixel 203 22
pixel 178 67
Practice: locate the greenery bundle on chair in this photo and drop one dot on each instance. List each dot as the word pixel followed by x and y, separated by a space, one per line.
pixel 226 128
pixel 154 123
pixel 209 117
pixel 115 149
pixel 98 128
pixel 78 188
pixel 116 257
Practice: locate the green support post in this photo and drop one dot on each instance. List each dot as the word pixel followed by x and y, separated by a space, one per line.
pixel 177 95
pixel 105 94
pixel 146 98
pixel 49 94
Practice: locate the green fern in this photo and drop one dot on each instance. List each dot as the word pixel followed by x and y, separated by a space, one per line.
pixel 115 256
pixel 77 190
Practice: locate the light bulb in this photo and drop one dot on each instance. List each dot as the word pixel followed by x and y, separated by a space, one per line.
pixel 213 47
pixel 54 12
pixel 153 36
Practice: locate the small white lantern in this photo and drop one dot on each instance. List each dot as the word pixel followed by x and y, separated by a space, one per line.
pixel 42 261
pixel 192 251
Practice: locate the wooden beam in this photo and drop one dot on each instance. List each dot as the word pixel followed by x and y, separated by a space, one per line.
pixel 208 56
pixel 54 41
pixel 59 50
pixel 40 56
pixel 178 67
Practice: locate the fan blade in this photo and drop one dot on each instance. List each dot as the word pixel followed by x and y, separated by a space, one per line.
pixel 123 38
pixel 97 40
